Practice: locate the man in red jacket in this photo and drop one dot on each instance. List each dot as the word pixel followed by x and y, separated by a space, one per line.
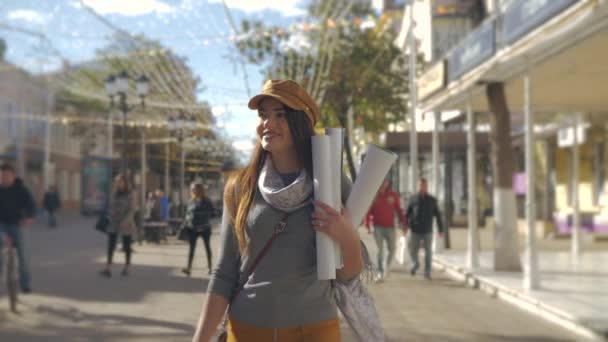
pixel 382 216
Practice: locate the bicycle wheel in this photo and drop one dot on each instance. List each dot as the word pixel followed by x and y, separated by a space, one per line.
pixel 11 279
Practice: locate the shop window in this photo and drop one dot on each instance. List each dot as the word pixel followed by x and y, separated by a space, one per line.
pixel 599 173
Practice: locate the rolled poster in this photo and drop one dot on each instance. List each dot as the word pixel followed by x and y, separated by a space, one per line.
pixel 322 178
pixel 374 169
pixel 336 137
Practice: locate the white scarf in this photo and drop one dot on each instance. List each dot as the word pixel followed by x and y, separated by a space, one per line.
pixel 285 197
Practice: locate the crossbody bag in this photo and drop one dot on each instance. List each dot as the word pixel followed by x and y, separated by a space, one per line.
pixel 279 228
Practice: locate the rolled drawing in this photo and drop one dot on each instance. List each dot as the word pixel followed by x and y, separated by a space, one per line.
pixel 336 138
pixel 374 169
pixel 322 177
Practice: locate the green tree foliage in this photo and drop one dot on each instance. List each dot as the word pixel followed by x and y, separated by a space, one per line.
pixel 342 60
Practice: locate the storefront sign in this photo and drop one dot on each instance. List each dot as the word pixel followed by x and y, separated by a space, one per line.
pixel 520 183
pixel 96 177
pixel 432 80
pixel 565 136
pixel 478 47
pixel 525 15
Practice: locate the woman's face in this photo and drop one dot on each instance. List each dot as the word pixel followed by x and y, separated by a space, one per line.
pixel 273 129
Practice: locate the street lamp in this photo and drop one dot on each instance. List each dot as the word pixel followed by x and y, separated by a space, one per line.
pixel 181 124
pixel 118 85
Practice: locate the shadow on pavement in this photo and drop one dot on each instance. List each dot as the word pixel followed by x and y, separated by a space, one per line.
pixel 88 285
pixel 74 315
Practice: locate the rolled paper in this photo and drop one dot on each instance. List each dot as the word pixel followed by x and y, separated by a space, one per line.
pixel 374 169
pixel 336 137
pixel 322 178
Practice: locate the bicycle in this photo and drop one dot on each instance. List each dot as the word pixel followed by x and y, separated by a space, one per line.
pixel 11 274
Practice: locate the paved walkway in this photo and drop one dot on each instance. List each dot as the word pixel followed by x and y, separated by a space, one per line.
pixel 574 294
pixel 156 303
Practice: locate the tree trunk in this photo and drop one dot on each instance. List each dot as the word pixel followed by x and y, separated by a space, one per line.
pixel 348 150
pixel 349 158
pixel 506 244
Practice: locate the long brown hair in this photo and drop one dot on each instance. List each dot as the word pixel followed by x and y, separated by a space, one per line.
pixel 118 178
pixel 241 187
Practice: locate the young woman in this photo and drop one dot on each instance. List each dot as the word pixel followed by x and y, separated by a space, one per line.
pixel 198 213
pixel 282 299
pixel 122 209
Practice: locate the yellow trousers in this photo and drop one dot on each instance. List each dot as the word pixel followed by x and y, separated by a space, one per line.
pixel 325 331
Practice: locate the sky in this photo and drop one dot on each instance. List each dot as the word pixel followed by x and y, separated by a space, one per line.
pixel 195 29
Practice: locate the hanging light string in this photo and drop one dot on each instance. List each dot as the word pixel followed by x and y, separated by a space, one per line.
pixel 71 119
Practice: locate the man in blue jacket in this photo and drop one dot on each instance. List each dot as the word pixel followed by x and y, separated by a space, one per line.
pixel 16 209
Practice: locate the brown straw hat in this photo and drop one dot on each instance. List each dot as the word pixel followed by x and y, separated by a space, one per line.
pixel 291 94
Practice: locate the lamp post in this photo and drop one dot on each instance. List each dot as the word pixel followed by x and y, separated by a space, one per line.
pixel 181 124
pixel 118 85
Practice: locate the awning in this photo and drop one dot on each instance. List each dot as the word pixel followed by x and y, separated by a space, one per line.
pixel 566 59
pixel 456 140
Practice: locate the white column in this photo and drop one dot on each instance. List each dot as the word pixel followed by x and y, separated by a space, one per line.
pixel 437 245
pixel 111 148
pixel 47 140
pixel 167 169
pixel 576 215
pixel 20 149
pixel 473 234
pixel 182 177
pixel 531 276
pixel 413 103
pixel 143 172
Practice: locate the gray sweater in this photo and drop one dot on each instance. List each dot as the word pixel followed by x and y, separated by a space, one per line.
pixel 284 290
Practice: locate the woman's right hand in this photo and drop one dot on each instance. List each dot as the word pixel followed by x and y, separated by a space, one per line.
pixel 211 317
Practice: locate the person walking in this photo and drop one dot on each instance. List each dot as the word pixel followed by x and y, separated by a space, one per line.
pixel 197 222
pixel 419 217
pixel 51 203
pixel 164 205
pixel 17 210
pixel 153 211
pixel 266 274
pixel 382 216
pixel 122 211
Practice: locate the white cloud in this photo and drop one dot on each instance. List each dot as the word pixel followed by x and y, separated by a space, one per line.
pixel 128 7
pixel 286 7
pixel 243 145
pixel 27 15
pixel 222 109
pixel 218 110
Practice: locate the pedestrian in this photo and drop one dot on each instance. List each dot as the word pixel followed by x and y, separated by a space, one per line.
pixel 122 222
pixel 197 223
pixel 266 274
pixel 164 205
pixel 51 203
pixel 17 210
pixel 420 212
pixel 153 208
pixel 382 216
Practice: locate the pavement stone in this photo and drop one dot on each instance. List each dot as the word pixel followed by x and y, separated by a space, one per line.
pixel 71 302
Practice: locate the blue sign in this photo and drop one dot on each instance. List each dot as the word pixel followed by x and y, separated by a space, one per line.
pixel 525 15
pixel 478 47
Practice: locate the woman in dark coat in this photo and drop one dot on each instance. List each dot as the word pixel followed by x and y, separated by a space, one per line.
pixel 198 213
